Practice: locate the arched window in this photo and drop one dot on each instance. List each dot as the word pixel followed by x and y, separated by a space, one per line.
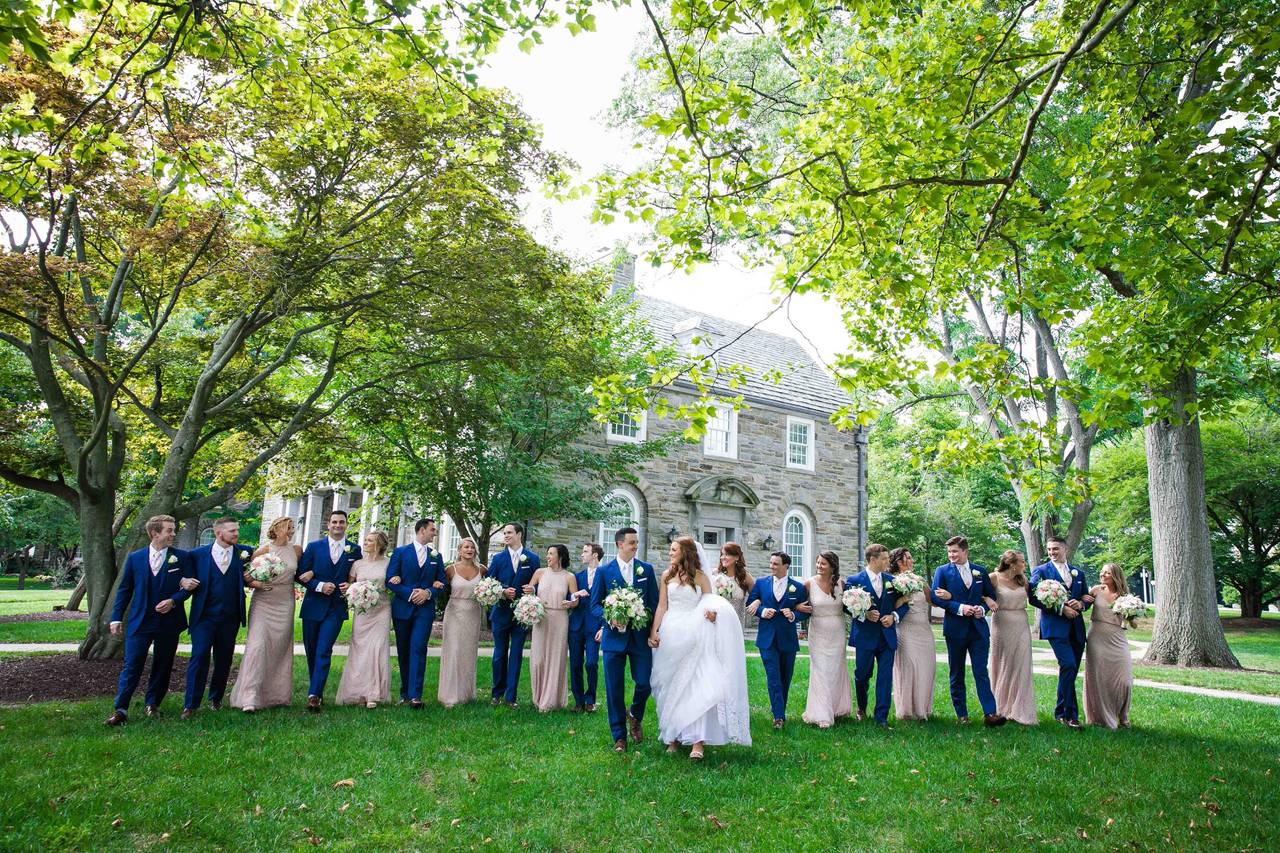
pixel 620 510
pixel 450 536
pixel 797 542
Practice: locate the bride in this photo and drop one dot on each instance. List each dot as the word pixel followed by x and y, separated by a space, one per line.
pixel 699 661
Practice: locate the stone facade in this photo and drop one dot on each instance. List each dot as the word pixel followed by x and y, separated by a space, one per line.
pixel 774 475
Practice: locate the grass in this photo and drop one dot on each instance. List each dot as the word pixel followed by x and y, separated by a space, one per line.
pixel 1193 773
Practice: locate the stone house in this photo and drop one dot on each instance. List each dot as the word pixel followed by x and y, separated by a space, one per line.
pixel 773 475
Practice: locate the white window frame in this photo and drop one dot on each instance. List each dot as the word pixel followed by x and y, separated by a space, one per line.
pixel 450 537
pixel 805 560
pixel 810 453
pixel 604 534
pixel 732 452
pixel 618 438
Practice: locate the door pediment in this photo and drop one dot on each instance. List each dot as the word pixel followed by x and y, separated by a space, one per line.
pixel 722 491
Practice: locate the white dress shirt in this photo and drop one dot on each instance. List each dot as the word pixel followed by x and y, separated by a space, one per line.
pixel 625 568
pixel 780 588
pixel 966 574
pixel 421 551
pixel 1064 572
pixel 221 557
pixel 591 577
pixel 157 560
pixel 335 549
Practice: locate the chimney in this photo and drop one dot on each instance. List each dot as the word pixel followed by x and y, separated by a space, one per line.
pixel 624 271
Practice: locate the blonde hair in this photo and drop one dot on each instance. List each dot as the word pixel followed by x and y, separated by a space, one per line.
pixel 475 549
pixel 156 523
pixel 277 524
pixel 382 540
pixel 1117 574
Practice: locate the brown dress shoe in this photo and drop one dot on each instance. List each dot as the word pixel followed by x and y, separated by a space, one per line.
pixel 620 745
pixel 992 721
pixel 778 724
pixel 187 713
pixel 591 707
pixel 117 718
pixel 151 710
pixel 1072 724
pixel 313 704
pixel 637 732
pixel 416 704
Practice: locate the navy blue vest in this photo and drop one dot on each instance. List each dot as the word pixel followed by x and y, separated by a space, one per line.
pixel 223 589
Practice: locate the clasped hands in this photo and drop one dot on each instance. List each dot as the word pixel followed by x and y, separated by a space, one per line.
pixel 770 612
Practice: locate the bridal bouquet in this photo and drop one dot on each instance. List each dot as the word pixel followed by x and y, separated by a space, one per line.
pixel 908 584
pixel 530 610
pixel 858 600
pixel 266 568
pixel 724 586
pixel 1052 594
pixel 488 592
pixel 625 606
pixel 363 596
pixel 1129 607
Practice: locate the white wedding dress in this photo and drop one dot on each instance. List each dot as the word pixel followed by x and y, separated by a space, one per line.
pixel 700 671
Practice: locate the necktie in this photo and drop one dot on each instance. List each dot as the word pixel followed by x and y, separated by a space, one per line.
pixel 626 572
pixel 875 583
pixel 220 556
pixel 335 548
pixel 422 554
pixel 1065 574
pixel 157 557
pixel 966 574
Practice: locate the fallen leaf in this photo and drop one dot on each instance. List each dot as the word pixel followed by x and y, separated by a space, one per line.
pixel 368 808
pixel 345 783
pixel 455 821
pixel 1082 833
pixel 118 822
pixel 1212 808
pixel 471 777
pixel 188 823
pixel 343 808
pixel 915 771
pixel 302 807
pixel 1217 779
pixel 257 811
pixel 1110 821
pixel 716 822
pixel 369 772
pixel 164 837
pixel 488 840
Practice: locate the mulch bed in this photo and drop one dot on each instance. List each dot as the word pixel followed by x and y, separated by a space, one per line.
pixel 47 616
pixel 42 678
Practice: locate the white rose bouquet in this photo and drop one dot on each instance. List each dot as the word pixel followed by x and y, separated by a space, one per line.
pixel 530 610
pixel 488 592
pixel 1052 594
pixel 266 568
pixel 625 606
pixel 1129 607
pixel 857 600
pixel 723 585
pixel 363 596
pixel 908 584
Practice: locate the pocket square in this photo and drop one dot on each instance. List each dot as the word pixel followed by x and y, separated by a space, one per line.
pixel 171 571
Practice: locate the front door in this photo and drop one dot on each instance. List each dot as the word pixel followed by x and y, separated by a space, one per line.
pixel 714 537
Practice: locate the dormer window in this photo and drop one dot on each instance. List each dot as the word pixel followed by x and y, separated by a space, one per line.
pixel 693 337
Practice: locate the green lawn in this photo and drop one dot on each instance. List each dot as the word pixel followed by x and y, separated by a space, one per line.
pixel 1193 773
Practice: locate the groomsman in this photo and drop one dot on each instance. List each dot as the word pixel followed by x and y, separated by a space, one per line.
pixel 513 566
pixel 964 627
pixel 623 646
pixel 327 564
pixel 151 589
pixel 415 574
pixel 217 612
pixel 774 600
pixel 585 633
pixel 874 637
pixel 1064 629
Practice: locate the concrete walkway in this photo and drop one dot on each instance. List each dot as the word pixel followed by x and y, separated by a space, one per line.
pixel 1039 656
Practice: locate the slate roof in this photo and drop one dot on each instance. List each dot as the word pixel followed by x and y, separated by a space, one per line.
pixel 803 386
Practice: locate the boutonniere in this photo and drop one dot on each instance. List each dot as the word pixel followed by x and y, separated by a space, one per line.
pixel 348 549
pixel 430 550
pixel 172 559
pixel 639 571
pixel 524 558
pixel 1074 573
pixel 246 554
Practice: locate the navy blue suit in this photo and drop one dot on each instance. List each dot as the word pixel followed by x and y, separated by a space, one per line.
pixel 139 592
pixel 583 647
pixel 508 634
pixel 875 645
pixel 966 635
pixel 323 615
pixel 625 648
pixel 217 612
pixel 1065 636
pixel 776 638
pixel 413 622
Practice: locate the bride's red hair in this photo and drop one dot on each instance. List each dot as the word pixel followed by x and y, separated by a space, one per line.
pixel 686 563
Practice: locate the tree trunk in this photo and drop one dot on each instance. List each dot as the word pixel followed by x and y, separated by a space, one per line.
pixel 101 573
pixel 77 594
pixel 23 565
pixel 1251 600
pixel 1187 629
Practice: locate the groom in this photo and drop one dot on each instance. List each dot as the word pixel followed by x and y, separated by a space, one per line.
pixel 327 564
pixel 415 576
pixel 1063 629
pixel 622 646
pixel 964 627
pixel 513 567
pixel 874 637
pixel 774 599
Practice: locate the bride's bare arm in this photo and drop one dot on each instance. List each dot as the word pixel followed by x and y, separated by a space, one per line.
pixel 658 614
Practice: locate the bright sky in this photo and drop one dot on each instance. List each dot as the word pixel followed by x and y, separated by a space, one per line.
pixel 567 84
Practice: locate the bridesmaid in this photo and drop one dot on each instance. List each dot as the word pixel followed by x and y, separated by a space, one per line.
pixel 1011 642
pixel 915 665
pixel 366 677
pixel 461 629
pixel 830 695
pixel 549 652
pixel 1108 676
pixel 734 565
pixel 266 669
